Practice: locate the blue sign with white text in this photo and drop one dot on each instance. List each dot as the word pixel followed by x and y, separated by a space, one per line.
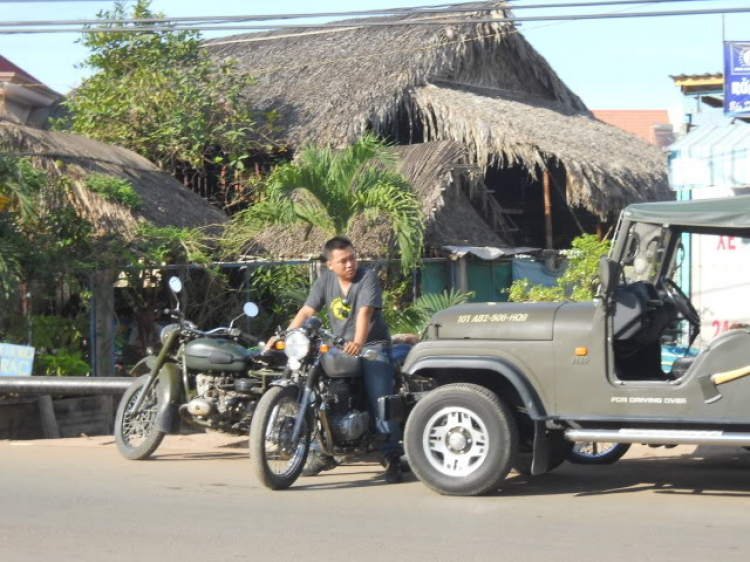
pixel 736 78
pixel 16 360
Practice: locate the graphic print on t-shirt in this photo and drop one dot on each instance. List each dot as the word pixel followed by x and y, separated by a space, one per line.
pixel 340 309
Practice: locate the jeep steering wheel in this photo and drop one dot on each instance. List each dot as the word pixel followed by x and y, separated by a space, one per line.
pixel 681 302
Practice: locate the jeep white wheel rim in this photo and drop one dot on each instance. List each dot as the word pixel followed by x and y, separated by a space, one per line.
pixel 455 441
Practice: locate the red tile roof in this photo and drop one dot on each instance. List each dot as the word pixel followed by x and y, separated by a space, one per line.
pixel 8 67
pixel 639 122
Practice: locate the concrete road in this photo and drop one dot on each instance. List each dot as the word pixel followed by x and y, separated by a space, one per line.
pixel 77 500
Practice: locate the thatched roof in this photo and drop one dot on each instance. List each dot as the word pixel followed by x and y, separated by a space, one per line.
pixel 441 181
pixel 480 84
pixel 165 201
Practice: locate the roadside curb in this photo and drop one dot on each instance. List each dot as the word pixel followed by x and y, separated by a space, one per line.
pixel 201 441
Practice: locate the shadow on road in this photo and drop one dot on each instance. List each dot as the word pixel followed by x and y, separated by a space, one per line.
pixel 705 472
pixel 203 456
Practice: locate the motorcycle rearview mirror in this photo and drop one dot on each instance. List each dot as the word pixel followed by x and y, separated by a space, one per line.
pixel 175 284
pixel 251 309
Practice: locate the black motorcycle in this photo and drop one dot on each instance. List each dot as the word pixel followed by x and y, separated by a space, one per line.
pixel 208 379
pixel 320 397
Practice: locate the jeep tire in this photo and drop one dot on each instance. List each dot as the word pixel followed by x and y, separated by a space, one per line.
pixel 461 439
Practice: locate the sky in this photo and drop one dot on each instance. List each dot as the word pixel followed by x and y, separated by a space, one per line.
pixel 610 64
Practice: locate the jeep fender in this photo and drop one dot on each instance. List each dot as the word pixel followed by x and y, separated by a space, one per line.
pixel 542 452
pixel 503 368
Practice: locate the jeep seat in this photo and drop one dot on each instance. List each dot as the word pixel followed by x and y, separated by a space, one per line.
pixel 681 366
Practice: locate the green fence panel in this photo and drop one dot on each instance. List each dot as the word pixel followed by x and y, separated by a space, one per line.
pixel 490 281
pixel 436 277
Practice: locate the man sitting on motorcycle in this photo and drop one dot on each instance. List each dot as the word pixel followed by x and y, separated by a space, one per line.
pixel 353 300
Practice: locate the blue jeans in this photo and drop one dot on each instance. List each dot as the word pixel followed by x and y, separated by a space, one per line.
pixel 379 381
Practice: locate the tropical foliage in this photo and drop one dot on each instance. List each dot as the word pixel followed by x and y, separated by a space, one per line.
pixel 331 190
pixel 414 318
pixel 578 283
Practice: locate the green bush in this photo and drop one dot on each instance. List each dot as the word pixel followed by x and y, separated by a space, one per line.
pixel 579 281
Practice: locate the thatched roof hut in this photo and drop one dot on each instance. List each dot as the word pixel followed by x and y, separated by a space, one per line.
pixel 165 201
pixel 479 84
pixel 443 183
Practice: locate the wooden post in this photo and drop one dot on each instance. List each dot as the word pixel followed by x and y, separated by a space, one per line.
pixel 547 210
pixel 104 323
pixel 462 274
pixel 47 413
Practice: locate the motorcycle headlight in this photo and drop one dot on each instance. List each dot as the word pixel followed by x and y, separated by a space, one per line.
pixel 297 345
pixel 169 328
pixel 166 330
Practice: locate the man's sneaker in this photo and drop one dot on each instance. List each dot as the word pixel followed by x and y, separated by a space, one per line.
pixel 393 473
pixel 317 463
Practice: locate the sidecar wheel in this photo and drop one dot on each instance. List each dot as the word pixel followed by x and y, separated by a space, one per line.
pixel 136 436
pixel 276 461
pixel 461 440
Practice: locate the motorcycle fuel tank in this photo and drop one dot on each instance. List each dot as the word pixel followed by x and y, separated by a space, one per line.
pixel 213 354
pixel 496 321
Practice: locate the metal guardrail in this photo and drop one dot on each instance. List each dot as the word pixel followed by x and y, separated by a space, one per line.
pixel 65 386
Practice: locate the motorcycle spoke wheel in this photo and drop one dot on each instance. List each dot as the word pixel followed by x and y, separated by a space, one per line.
pixel 277 458
pixel 137 435
pixel 137 428
pixel 282 454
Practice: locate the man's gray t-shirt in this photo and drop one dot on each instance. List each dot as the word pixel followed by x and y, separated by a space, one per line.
pixel 343 309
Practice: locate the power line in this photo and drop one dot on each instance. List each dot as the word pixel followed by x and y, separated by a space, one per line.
pixel 438 9
pixel 363 24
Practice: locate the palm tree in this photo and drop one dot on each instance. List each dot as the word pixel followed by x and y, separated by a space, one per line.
pixel 332 189
pixel 18 183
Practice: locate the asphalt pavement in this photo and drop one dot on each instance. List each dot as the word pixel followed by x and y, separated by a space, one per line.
pixel 78 500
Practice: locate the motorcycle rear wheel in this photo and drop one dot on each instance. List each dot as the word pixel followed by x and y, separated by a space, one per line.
pixel 137 436
pixel 276 461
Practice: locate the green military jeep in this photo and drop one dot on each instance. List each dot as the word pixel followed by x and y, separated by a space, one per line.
pixel 513 385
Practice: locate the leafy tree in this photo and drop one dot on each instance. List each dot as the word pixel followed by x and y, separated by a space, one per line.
pixel 19 183
pixel 157 93
pixel 579 281
pixel 332 189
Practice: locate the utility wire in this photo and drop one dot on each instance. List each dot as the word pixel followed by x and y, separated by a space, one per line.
pixel 394 11
pixel 505 32
pixel 363 24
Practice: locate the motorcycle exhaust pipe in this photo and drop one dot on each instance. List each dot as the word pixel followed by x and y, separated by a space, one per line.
pixel 659 437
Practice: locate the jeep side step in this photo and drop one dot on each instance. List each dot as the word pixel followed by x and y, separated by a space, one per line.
pixel 658 437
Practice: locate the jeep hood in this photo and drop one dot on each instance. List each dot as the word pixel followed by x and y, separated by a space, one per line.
pixel 496 321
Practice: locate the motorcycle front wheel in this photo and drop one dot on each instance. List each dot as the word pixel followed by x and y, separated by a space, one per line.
pixel 276 459
pixel 136 435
